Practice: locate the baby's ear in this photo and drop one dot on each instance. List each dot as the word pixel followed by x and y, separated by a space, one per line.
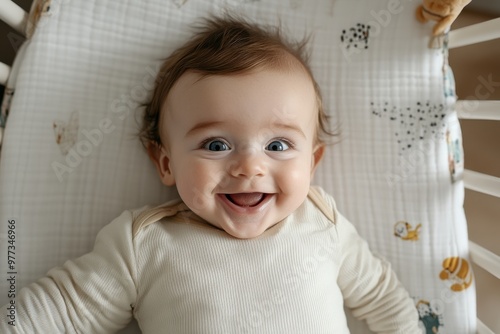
pixel 318 152
pixel 161 158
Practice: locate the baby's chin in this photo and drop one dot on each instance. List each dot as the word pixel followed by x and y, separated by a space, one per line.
pixel 248 234
pixel 252 230
pixel 246 218
pixel 244 230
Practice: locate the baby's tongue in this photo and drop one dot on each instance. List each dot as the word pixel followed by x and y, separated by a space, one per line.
pixel 245 199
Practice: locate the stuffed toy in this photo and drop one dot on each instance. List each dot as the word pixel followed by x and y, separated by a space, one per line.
pixel 442 11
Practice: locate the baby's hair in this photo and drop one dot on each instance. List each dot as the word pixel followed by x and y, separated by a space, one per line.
pixel 227 46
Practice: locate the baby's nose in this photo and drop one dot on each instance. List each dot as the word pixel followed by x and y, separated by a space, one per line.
pixel 247 164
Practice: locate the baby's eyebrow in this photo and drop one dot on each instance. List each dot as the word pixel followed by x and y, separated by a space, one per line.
pixel 210 124
pixel 202 126
pixel 292 127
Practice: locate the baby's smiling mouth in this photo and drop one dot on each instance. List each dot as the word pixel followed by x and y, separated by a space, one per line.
pixel 246 199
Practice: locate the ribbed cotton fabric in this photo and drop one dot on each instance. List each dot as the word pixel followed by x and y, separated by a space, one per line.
pixel 180 275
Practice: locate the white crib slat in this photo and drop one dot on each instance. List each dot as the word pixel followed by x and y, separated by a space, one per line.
pixel 13 15
pixel 482 328
pixel 4 73
pixel 484 258
pixel 482 183
pixel 475 33
pixel 490 262
pixel 476 109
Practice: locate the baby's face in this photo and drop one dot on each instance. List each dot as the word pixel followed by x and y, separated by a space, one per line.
pixel 241 148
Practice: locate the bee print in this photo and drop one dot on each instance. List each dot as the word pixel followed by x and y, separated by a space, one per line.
pixel 458 272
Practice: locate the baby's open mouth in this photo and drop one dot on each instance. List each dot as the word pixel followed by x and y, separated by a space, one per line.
pixel 246 199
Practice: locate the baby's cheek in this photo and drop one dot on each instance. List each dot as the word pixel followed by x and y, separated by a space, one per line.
pixel 294 177
pixel 186 180
pixel 199 183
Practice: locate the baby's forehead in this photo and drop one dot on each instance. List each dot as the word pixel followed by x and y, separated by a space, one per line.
pixel 266 87
pixel 290 77
pixel 287 65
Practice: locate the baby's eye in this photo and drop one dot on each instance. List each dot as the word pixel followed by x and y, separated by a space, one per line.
pixel 216 145
pixel 277 145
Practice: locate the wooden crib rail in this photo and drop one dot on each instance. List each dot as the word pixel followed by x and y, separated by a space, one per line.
pixel 482 328
pixel 479 110
pixel 13 15
pixel 481 256
pixel 485 259
pixel 491 263
pixel 17 18
pixel 4 73
pixel 476 33
pixel 483 183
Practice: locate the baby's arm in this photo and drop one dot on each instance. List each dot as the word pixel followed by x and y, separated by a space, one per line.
pixel 92 294
pixel 370 287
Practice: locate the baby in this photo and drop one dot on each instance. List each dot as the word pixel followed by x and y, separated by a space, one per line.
pixel 236 124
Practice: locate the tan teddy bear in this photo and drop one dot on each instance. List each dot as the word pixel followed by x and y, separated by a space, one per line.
pixel 442 11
